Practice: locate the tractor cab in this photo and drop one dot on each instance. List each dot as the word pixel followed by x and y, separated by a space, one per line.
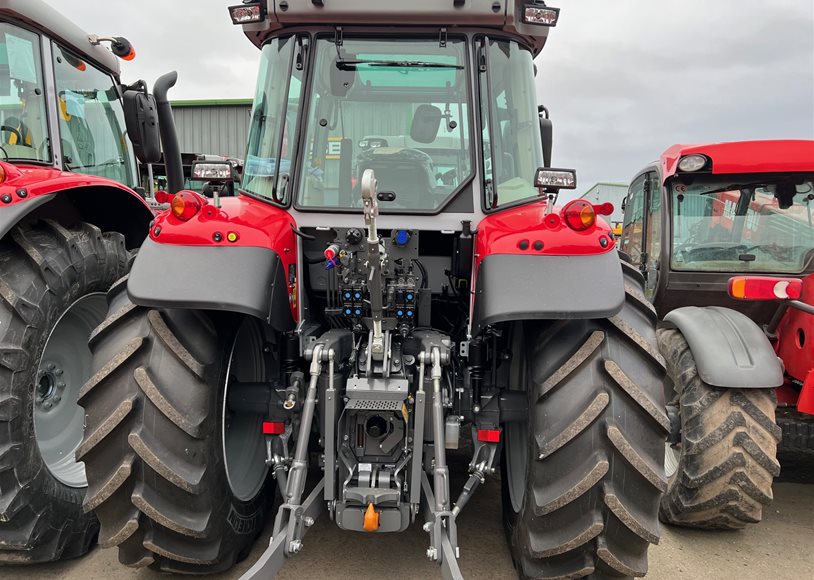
pixel 61 108
pixel 704 214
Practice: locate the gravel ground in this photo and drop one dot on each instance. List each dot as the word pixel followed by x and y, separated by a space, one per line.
pixel 329 554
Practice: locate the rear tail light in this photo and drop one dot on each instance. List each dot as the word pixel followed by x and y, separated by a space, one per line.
pixel 579 215
pixel 765 288
pixel 185 205
pixel 604 209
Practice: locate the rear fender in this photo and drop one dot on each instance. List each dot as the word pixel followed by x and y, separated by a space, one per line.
pixel 44 192
pixel 239 257
pixel 241 279
pixel 531 266
pixel 729 349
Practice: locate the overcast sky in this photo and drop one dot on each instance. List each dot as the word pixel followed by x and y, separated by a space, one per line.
pixel 624 79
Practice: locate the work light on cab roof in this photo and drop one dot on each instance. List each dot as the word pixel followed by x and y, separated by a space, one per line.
pixel 247 13
pixel 538 13
pixel 692 163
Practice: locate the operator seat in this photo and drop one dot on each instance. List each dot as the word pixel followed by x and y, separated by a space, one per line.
pixel 408 172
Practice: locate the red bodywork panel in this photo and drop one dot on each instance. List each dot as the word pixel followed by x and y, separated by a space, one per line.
pixel 38 181
pixel 508 231
pixel 257 224
pixel 782 156
pixel 795 346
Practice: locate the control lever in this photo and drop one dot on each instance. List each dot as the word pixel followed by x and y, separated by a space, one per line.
pixel 376 258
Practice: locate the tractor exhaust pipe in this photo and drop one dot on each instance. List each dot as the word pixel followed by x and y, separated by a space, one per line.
pixel 169 138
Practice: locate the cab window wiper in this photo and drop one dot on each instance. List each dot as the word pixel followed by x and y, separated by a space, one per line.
pixel 353 63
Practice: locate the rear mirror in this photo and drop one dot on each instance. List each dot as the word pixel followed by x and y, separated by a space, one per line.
pixel 547 179
pixel 426 122
pixel 342 77
pixel 141 119
pixel 624 203
pixel 546 134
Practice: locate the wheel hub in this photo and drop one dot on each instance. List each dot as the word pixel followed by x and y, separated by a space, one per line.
pixel 50 385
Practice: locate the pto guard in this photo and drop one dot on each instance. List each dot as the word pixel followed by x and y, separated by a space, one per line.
pixel 532 266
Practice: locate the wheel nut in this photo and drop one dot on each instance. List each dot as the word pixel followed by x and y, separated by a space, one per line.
pixel 57 399
pixel 60 385
pixel 47 405
pixel 58 372
pixel 51 366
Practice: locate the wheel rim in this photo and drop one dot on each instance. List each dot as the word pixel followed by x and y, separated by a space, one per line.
pixel 64 367
pixel 244 452
pixel 672 454
pixel 517 433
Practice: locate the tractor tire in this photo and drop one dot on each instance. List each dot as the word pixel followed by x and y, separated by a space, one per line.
pixel 585 501
pixel 727 459
pixel 153 447
pixel 53 280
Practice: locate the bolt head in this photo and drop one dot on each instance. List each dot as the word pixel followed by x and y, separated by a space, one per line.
pixel 295 546
pixel 308 521
pixel 432 553
pixel 427 527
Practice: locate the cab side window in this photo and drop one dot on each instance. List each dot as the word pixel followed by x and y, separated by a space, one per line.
pixel 654 233
pixel 633 224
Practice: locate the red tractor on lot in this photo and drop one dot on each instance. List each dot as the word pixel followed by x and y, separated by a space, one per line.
pixel 392 277
pixel 70 219
pixel 724 237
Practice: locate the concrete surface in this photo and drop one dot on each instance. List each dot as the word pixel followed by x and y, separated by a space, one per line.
pixel 780 548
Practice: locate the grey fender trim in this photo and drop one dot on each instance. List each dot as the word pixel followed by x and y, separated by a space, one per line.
pixel 229 278
pixel 730 350
pixel 10 216
pixel 527 287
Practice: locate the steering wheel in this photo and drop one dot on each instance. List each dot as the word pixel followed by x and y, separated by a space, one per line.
pixel 16 133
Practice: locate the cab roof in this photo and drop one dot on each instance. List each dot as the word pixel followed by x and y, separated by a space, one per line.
pixel 778 156
pixel 505 16
pixel 39 16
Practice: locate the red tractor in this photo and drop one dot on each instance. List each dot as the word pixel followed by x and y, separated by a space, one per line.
pixel 70 220
pixel 734 346
pixel 392 280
